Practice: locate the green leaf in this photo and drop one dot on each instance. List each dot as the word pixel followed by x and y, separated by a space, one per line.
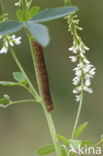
pixel 75 143
pixel 46 149
pixel 20 15
pixel 85 142
pixel 18 76
pixel 79 130
pixel 64 151
pixel 62 138
pixel 9 27
pixel 33 11
pixel 54 13
pixel 8 83
pixel 40 33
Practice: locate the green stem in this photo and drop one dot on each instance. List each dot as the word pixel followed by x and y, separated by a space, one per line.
pixel 47 113
pixel 78 113
pixel 17 102
pixel 98 144
pixel 22 101
pixel 22 70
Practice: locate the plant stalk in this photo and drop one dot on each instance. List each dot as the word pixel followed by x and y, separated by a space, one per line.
pixel 22 70
pixel 47 113
pixel 78 113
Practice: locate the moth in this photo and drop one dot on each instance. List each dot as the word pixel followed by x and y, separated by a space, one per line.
pixel 43 75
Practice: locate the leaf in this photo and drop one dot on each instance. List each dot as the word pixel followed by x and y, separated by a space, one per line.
pixel 8 83
pixel 40 33
pixel 79 130
pixel 64 151
pixel 88 143
pixel 54 13
pixel 46 149
pixel 33 11
pixel 62 138
pixel 18 76
pixel 75 143
pixel 20 15
pixel 9 27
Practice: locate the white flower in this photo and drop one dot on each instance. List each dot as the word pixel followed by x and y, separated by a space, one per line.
pixel 92 71
pixel 6 44
pixel 16 4
pixel 17 40
pixel 78 72
pixel 73 58
pixel 86 48
pixel 77 98
pixel 71 48
pixel 87 68
pixel 74 49
pixel 81 65
pixel 77 90
pixel 76 80
pixel 82 55
pixel 88 82
pixel 88 76
pixel 86 61
pixel 11 43
pixel 0 37
pixel 9 40
pixel 89 90
pixel 3 50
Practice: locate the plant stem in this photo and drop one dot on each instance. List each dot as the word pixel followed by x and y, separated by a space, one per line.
pixel 47 113
pixel 79 111
pixel 22 101
pixel 22 70
pixel 17 102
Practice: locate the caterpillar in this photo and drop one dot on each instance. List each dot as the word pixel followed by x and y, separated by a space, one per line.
pixel 43 75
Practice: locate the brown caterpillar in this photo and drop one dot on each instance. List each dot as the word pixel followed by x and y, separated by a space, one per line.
pixel 43 76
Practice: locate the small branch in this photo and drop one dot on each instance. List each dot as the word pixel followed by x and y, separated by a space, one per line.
pixel 99 143
pixel 35 94
pixel 17 102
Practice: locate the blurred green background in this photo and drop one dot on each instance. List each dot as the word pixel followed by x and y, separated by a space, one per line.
pixel 23 127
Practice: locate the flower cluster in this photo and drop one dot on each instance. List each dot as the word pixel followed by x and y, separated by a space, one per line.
pixel 84 71
pixel 9 40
